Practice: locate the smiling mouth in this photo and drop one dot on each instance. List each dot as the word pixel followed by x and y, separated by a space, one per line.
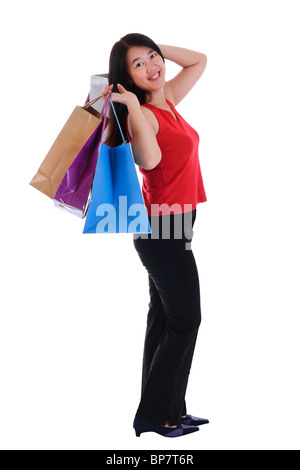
pixel 155 77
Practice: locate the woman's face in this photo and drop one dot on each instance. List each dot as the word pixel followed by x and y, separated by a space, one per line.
pixel 146 68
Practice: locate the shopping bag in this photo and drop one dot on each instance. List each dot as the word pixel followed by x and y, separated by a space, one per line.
pixel 117 204
pixel 74 190
pixel 97 84
pixel 81 124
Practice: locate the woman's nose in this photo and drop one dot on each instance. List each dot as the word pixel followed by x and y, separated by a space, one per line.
pixel 148 67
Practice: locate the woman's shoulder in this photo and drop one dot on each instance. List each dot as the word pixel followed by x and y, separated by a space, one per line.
pixel 151 115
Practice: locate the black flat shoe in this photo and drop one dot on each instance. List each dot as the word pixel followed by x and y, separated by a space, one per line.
pixel 141 426
pixel 193 421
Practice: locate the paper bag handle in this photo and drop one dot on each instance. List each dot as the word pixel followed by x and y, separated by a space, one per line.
pixel 104 114
pixel 90 103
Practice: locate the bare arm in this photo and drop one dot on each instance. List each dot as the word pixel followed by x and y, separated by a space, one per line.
pixel 193 65
pixel 141 126
pixel 145 148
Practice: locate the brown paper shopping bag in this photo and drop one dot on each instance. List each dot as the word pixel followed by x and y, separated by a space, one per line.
pixel 78 128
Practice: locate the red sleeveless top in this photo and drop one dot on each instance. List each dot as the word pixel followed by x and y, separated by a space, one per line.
pixel 175 185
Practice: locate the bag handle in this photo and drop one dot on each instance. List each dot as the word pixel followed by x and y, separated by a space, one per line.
pixel 103 117
pixel 105 109
pixel 90 103
pixel 104 114
pixel 122 135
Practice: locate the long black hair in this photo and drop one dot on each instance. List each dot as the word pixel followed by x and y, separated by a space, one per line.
pixel 118 74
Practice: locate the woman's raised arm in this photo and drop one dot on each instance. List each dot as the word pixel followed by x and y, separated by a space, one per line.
pixel 193 65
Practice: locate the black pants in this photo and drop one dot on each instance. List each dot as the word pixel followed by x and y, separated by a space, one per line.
pixel 173 320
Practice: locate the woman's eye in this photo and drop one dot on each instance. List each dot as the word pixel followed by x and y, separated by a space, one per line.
pixel 139 64
pixel 153 55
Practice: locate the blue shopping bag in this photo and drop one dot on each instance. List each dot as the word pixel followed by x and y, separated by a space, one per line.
pixel 117 204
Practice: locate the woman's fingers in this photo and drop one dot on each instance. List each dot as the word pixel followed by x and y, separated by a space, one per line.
pixel 121 88
pixel 106 89
pixel 118 98
pixel 123 97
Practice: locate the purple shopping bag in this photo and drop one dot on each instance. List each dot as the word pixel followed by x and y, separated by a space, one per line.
pixel 73 193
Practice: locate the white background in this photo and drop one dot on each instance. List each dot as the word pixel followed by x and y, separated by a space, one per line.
pixel 73 306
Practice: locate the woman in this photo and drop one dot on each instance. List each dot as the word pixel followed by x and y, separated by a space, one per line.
pixel 166 149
